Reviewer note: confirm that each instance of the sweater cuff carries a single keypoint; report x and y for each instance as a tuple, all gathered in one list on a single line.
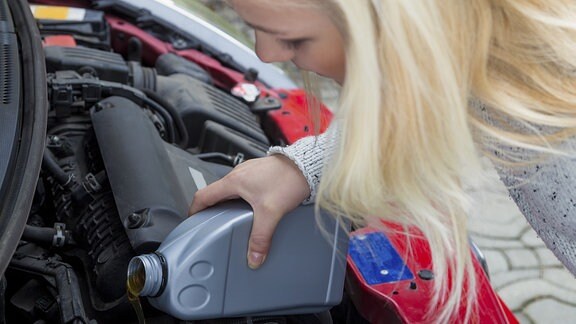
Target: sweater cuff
[(310, 164), (307, 154)]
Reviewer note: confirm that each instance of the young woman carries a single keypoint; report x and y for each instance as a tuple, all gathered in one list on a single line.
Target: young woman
[(427, 86)]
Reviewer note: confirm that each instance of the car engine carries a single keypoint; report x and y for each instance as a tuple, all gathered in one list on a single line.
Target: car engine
[(131, 137)]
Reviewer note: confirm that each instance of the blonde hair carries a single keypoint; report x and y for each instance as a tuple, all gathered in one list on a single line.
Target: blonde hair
[(407, 128), (408, 131)]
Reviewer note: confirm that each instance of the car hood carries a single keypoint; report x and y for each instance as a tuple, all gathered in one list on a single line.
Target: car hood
[(23, 111)]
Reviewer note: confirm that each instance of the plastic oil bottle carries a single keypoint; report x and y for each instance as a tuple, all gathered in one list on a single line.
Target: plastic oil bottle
[(200, 270)]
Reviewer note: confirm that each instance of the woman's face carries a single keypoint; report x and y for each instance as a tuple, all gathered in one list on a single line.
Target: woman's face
[(304, 36)]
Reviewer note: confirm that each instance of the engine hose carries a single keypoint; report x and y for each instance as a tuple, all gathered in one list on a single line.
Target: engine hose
[(232, 160), (47, 236), (135, 95), (63, 178), (216, 155), (169, 121), (182, 131)]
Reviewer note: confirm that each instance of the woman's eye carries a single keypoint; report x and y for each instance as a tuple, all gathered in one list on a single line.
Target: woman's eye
[(293, 43)]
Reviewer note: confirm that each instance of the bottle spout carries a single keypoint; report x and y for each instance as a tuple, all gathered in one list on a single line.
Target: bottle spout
[(146, 275)]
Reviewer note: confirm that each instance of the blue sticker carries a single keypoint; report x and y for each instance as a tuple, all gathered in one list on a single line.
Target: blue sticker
[(377, 259)]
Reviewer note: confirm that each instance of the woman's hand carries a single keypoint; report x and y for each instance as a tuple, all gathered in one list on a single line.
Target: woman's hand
[(273, 186)]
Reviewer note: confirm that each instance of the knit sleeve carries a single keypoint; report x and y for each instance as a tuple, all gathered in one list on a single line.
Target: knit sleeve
[(542, 186), (545, 194), (309, 155)]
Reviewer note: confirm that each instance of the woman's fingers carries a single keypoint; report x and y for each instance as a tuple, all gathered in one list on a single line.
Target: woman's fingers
[(214, 193), (272, 185)]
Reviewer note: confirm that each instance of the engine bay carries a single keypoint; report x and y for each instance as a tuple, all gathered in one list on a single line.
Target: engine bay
[(140, 117)]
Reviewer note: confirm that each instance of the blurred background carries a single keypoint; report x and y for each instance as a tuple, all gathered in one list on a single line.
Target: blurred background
[(527, 276)]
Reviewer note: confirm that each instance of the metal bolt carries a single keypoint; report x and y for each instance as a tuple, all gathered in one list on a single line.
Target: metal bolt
[(134, 220), (138, 218), (134, 217), (53, 139)]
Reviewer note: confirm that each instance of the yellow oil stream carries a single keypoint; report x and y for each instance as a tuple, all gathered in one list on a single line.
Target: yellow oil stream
[(133, 288)]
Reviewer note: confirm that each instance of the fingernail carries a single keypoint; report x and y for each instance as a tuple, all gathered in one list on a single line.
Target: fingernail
[(255, 260)]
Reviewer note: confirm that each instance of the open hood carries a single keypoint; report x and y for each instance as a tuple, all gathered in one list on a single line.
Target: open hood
[(23, 109)]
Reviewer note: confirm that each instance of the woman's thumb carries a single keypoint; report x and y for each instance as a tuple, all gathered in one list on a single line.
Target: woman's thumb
[(263, 229)]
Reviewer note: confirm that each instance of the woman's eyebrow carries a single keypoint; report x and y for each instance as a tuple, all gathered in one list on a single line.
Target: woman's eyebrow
[(265, 29)]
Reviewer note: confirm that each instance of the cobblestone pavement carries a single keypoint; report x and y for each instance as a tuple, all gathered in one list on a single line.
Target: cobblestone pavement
[(528, 277)]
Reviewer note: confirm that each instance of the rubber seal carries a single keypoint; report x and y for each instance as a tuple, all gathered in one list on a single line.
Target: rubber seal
[(165, 274)]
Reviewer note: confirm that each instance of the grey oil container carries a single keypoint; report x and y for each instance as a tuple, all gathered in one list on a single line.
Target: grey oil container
[(200, 270)]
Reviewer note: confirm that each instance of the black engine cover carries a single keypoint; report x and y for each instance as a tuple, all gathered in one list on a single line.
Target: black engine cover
[(153, 182), (108, 66), (198, 102)]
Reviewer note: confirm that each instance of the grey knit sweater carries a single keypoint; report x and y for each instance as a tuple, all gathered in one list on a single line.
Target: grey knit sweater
[(545, 193)]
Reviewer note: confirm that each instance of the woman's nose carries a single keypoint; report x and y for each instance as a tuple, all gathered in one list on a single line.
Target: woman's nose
[(270, 50)]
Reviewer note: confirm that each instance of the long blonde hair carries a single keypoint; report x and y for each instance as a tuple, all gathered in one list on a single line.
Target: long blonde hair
[(407, 129), (430, 84)]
